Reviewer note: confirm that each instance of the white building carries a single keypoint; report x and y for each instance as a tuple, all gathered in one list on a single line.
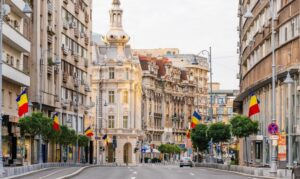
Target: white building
[(117, 90)]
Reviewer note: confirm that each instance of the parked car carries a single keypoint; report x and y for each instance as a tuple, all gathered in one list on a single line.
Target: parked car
[(186, 161), (296, 171)]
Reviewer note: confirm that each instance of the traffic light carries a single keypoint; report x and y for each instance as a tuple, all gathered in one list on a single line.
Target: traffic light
[(114, 142)]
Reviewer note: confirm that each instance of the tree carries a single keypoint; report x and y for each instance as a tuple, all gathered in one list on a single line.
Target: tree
[(243, 127), (219, 132), (199, 137), (31, 125), (83, 141)]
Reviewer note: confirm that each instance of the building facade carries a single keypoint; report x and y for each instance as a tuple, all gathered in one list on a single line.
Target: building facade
[(16, 49), (170, 96), (60, 62), (255, 47), (222, 103), (117, 88)]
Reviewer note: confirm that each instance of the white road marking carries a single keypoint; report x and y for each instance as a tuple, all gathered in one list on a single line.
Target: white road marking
[(132, 177), (50, 174), (192, 174), (135, 173)]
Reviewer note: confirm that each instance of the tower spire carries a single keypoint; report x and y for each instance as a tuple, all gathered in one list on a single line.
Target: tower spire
[(116, 34), (116, 2)]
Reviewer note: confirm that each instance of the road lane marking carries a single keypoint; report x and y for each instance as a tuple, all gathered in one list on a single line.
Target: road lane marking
[(192, 174), (132, 177), (53, 173), (135, 173)]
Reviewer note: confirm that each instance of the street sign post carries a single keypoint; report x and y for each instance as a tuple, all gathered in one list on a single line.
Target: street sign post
[(273, 129)]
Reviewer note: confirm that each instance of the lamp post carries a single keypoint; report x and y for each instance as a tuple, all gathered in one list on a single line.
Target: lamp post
[(5, 10), (289, 81)]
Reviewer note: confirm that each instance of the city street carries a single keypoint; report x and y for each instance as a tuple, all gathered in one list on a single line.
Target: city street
[(155, 172)]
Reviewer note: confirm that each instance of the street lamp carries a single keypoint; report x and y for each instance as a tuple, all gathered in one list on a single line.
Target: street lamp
[(5, 10), (289, 81)]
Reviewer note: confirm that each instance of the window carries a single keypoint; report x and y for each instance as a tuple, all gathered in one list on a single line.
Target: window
[(111, 73), (111, 97), (220, 110), (229, 111), (221, 100), (125, 97), (125, 122), (111, 122), (220, 118)]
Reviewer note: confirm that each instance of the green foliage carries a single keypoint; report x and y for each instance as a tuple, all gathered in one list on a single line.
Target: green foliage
[(169, 149), (31, 125), (219, 132), (199, 137), (243, 126), (83, 141), (47, 132), (67, 136)]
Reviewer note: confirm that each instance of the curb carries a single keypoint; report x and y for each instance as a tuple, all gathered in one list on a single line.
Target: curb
[(29, 173), (77, 172), (243, 174)]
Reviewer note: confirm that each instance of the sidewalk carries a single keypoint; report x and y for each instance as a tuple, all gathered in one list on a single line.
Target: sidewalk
[(13, 171), (258, 172)]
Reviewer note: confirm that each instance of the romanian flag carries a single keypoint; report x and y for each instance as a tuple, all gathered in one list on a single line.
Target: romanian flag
[(88, 132), (22, 100), (188, 134), (55, 122), (254, 105), (195, 119), (105, 139)]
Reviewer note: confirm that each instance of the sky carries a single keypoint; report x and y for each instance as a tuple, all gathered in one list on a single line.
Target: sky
[(189, 25)]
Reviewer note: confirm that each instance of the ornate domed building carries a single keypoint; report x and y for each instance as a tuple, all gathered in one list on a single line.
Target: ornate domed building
[(117, 78)]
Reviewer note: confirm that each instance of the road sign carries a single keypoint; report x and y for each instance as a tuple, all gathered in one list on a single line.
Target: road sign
[(273, 128)]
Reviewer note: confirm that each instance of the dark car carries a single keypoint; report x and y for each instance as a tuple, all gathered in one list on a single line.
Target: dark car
[(186, 161)]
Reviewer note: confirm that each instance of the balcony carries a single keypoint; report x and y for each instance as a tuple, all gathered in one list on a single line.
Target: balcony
[(86, 40), (86, 17), (50, 70), (66, 25), (15, 39), (76, 8), (50, 39), (50, 30), (19, 5), (76, 32), (76, 57), (86, 62), (65, 50), (15, 75), (50, 8), (65, 77)]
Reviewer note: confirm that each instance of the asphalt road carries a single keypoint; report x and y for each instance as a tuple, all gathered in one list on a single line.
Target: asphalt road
[(51, 173), (155, 172)]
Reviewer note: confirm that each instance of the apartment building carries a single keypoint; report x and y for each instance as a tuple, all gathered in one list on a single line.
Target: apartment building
[(170, 95), (255, 48), (60, 61), (16, 49)]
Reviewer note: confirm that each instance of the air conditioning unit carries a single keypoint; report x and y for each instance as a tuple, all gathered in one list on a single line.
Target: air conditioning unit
[(72, 25)]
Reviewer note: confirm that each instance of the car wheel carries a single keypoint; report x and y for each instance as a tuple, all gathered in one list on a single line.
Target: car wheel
[(181, 166)]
